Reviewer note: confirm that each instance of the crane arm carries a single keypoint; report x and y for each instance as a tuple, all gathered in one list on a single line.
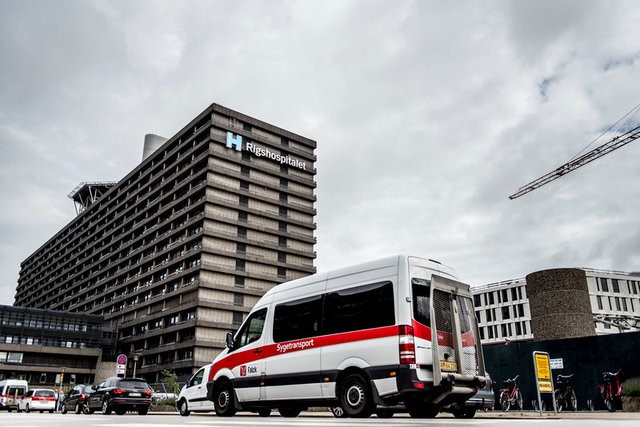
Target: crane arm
[(588, 157)]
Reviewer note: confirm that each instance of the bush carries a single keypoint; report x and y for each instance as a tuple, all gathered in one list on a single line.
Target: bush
[(631, 387)]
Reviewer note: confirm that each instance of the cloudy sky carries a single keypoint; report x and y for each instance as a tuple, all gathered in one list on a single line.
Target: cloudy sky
[(427, 114)]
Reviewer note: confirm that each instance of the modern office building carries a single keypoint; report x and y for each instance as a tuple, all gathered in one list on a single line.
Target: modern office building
[(177, 252), (558, 303), (45, 347)]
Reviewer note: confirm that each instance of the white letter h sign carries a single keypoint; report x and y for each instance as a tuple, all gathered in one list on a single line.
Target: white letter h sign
[(234, 141)]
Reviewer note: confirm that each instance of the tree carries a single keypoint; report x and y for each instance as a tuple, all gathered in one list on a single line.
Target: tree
[(171, 380)]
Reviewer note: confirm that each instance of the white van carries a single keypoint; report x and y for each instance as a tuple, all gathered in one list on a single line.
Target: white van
[(11, 392), (193, 396), (360, 338)]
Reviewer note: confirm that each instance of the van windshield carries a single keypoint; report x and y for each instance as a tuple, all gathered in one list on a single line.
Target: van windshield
[(421, 290)]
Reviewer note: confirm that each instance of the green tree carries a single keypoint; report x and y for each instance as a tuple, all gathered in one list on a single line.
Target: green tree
[(171, 380)]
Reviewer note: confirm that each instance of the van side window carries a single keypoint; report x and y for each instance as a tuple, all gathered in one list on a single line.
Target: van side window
[(251, 330), (364, 307), (421, 289), (197, 378), (297, 319)]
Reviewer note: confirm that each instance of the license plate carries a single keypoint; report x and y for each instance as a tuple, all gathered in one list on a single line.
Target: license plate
[(135, 394), (448, 366)]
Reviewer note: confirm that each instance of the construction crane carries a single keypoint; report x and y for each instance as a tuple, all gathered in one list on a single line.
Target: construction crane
[(588, 157)]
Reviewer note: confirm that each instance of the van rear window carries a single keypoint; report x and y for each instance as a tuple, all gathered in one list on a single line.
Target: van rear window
[(421, 289)]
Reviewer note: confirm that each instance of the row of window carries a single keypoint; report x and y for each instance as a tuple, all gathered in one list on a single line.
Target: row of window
[(507, 330), (44, 341), (602, 284), (506, 311), (501, 296), (616, 303)]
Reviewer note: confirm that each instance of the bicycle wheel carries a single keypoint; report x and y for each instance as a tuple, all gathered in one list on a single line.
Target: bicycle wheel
[(505, 402), (519, 400), (573, 400), (608, 400), (559, 400)]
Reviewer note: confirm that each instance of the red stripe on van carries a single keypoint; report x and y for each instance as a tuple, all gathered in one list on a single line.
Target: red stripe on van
[(247, 356), (421, 331)]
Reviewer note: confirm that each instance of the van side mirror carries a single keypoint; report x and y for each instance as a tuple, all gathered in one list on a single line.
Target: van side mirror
[(230, 340)]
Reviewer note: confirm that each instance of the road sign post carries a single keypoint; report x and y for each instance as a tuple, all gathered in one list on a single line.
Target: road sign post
[(544, 379)]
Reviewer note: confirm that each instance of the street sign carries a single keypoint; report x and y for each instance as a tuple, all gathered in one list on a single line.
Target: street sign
[(556, 363), (121, 365), (544, 381)]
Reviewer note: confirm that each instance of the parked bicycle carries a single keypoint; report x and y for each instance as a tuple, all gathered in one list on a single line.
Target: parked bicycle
[(511, 395), (611, 389), (565, 395)]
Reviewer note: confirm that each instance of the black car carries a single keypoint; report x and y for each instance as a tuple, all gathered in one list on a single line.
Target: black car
[(76, 400), (121, 395), (484, 400)]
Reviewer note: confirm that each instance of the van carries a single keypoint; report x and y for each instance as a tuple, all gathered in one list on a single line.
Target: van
[(401, 330), (11, 391), (193, 396)]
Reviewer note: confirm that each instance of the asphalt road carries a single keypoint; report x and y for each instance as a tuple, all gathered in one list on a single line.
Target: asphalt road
[(494, 418)]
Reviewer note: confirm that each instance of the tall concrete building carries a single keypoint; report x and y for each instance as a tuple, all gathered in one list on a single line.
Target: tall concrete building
[(177, 252)]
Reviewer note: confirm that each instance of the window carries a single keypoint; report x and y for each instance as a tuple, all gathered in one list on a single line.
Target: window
[(421, 289), (491, 298), (518, 329), (284, 197), (521, 310), (364, 307), (242, 232), (282, 226), (244, 200), (237, 318), (505, 312), (488, 315), (239, 282), (244, 170), (615, 285), (251, 330), (282, 272), (604, 285), (504, 330), (297, 319), (599, 300), (241, 248), (477, 301), (505, 296), (514, 294), (243, 216), (284, 182), (624, 304), (282, 211), (244, 185), (240, 264), (282, 257), (482, 333), (282, 241)]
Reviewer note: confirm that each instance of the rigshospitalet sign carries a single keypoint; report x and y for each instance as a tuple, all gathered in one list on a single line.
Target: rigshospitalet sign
[(235, 141)]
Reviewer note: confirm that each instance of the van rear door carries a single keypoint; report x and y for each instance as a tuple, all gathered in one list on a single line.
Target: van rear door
[(456, 348)]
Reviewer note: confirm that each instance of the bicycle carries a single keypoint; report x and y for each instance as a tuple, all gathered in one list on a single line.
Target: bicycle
[(511, 395), (611, 389), (565, 395)]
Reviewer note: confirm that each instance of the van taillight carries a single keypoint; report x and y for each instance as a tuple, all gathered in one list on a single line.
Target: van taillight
[(406, 345)]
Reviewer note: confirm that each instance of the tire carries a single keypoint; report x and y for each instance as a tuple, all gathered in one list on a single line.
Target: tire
[(143, 411), (289, 412), (557, 396), (520, 400), (264, 412), (78, 408), (105, 407), (63, 408), (120, 411), (423, 409), (183, 407), (505, 403), (464, 412), (224, 400), (608, 401), (355, 396), (384, 413), (27, 409), (87, 410), (573, 401)]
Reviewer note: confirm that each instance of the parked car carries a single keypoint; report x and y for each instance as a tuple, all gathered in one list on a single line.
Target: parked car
[(76, 399), (11, 391), (193, 396), (484, 399), (38, 399), (121, 395)]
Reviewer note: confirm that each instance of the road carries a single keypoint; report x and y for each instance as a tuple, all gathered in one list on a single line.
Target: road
[(587, 419)]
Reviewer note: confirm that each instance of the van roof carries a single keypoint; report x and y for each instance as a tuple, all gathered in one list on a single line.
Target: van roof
[(390, 261)]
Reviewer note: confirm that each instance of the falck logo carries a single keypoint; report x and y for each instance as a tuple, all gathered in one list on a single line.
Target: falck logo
[(243, 371)]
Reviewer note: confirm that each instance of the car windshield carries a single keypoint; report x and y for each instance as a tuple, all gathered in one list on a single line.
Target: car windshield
[(134, 384), (44, 393)]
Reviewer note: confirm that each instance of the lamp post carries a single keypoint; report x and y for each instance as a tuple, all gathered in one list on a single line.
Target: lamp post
[(136, 356)]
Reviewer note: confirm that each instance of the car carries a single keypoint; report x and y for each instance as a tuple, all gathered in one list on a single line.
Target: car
[(76, 399), (38, 399), (484, 399), (11, 391), (121, 395), (193, 396)]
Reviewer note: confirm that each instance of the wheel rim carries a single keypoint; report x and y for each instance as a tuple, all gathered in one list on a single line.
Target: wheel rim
[(183, 406), (223, 399), (354, 395)]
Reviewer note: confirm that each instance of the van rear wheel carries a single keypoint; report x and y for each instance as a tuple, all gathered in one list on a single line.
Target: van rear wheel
[(224, 401), (355, 396)]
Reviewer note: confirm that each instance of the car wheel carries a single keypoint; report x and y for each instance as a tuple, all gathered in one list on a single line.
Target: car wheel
[(183, 408), (384, 413), (120, 411), (105, 407), (223, 400), (63, 408), (264, 412), (289, 412), (464, 412), (27, 409), (78, 408), (355, 396), (143, 410)]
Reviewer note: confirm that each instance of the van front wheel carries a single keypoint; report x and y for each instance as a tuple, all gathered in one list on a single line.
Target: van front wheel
[(355, 396), (224, 401)]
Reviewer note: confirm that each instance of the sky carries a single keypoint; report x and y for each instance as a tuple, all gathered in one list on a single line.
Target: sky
[(427, 116)]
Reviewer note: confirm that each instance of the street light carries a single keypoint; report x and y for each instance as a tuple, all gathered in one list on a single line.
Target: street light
[(136, 356)]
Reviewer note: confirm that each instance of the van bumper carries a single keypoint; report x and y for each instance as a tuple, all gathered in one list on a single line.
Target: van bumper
[(453, 386)]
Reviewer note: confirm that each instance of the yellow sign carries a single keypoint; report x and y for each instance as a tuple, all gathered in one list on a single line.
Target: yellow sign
[(545, 386), (543, 368), (448, 366)]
